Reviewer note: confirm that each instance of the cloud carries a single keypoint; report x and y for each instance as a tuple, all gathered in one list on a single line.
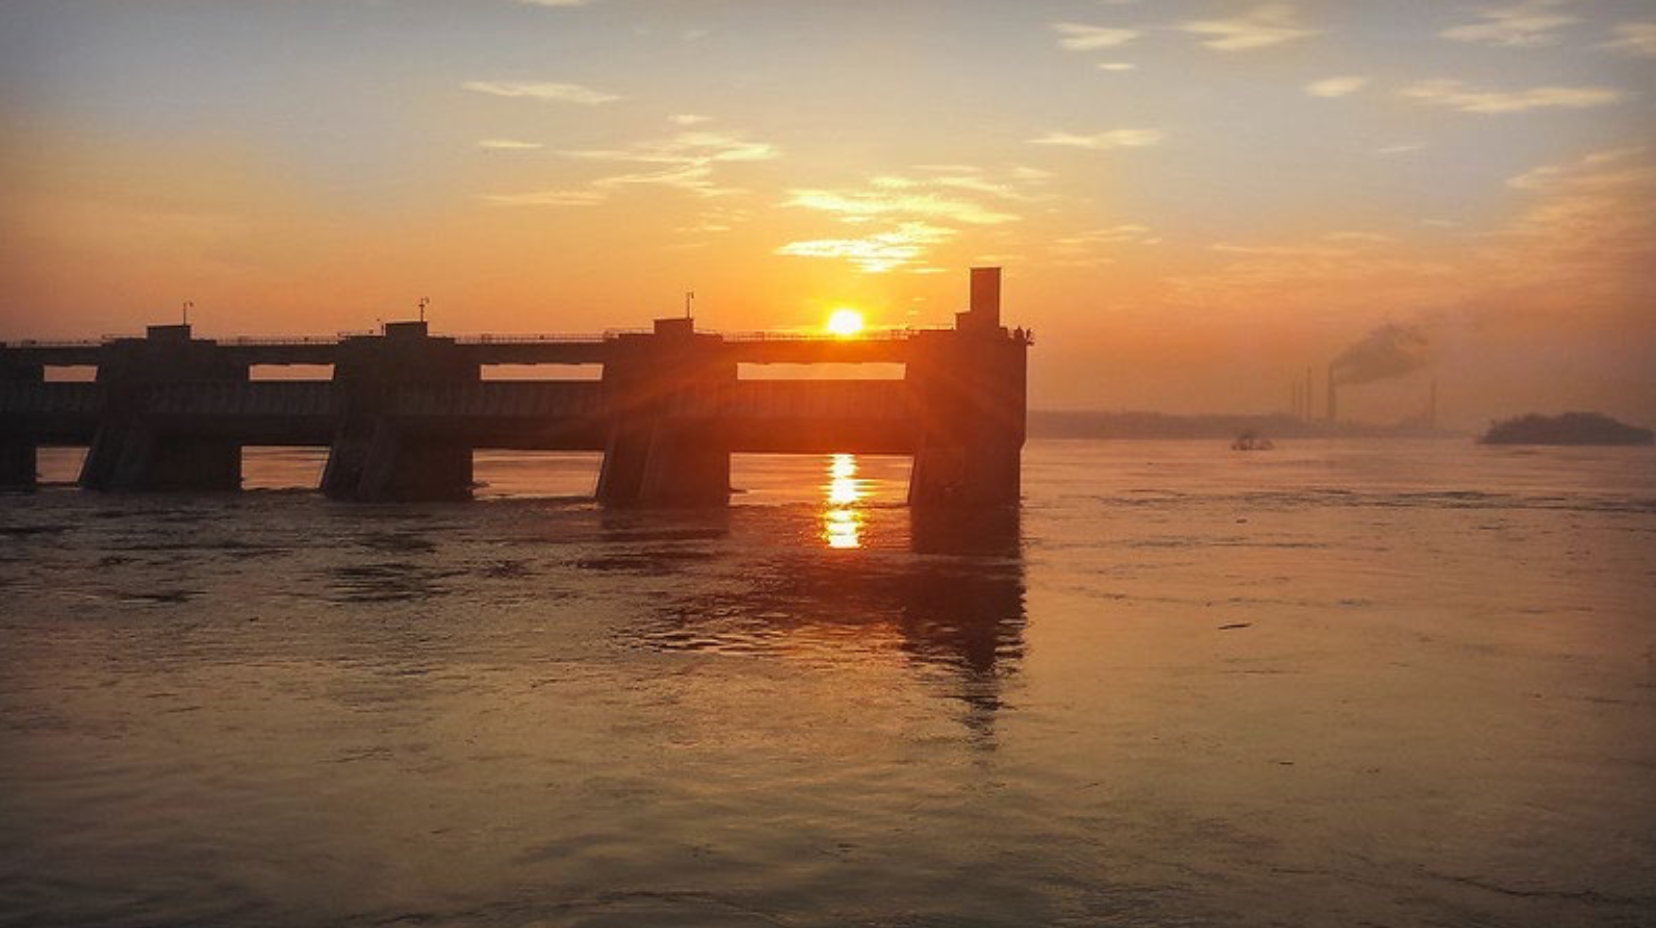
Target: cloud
[(1092, 248), (1116, 66), (719, 219), (1586, 231), (1336, 86), (542, 90), (1530, 24), (915, 211), (546, 198), (945, 193), (1011, 187), (1331, 246), (877, 253), (689, 119), (1261, 27), (1103, 141), (1369, 238), (1081, 38), (891, 200), (688, 160), (1592, 170), (1634, 39), (555, 3), (685, 148), (1364, 269), (1580, 240), (1460, 96), (1124, 233), (1401, 148), (507, 145)]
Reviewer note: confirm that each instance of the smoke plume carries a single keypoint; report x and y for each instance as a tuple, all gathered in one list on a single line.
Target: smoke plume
[(1389, 351)]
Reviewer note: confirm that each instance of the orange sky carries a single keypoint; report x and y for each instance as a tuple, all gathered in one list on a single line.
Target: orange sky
[(1193, 200)]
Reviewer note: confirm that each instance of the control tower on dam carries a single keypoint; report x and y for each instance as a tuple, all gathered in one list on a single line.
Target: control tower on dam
[(404, 409)]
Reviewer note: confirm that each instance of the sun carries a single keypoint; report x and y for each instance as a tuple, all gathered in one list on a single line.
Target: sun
[(845, 323)]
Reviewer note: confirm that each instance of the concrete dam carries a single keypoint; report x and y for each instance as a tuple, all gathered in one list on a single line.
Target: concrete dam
[(404, 409)]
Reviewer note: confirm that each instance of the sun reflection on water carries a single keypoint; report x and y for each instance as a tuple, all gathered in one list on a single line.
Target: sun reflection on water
[(841, 522)]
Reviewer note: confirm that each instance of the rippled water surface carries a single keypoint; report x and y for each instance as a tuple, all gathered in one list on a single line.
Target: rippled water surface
[(1331, 684)]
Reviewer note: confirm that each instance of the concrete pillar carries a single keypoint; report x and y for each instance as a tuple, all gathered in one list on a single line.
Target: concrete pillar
[(130, 450), (970, 386), (662, 451), (375, 455), (18, 450), (626, 456), (686, 467), (971, 393)]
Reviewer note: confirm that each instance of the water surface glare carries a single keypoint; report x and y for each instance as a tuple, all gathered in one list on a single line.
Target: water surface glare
[(1331, 684)]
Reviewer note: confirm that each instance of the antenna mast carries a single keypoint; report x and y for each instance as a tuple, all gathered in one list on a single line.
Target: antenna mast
[(688, 296)]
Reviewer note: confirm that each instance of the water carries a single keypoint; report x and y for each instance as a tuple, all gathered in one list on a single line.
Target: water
[(1331, 684)]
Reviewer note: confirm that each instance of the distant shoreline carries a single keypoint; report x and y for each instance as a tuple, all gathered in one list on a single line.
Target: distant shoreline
[(1130, 425)]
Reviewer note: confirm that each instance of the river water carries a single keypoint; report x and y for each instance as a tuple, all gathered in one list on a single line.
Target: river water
[(1390, 683)]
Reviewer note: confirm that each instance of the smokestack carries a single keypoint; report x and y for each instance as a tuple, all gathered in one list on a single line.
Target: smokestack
[(986, 287), (1308, 394), (1333, 403)]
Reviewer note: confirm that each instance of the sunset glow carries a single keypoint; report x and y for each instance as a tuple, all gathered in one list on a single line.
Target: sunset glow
[(938, 462), (845, 323), (1199, 199), (841, 521)]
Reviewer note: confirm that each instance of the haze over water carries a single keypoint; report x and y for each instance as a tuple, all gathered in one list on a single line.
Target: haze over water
[(1332, 684)]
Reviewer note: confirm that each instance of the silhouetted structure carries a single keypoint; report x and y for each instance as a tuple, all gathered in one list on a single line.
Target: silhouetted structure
[(405, 409)]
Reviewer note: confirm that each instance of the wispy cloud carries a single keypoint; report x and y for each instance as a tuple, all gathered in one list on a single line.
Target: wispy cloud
[(1082, 38), (1336, 86), (685, 148), (1364, 267), (887, 199), (1401, 148), (1460, 96), (877, 253), (1103, 141), (1018, 185), (542, 90), (1586, 229), (546, 198), (1261, 27), (1116, 66), (687, 161), (1093, 247), (914, 211), (507, 145), (689, 119), (1634, 39), (719, 219), (1531, 24), (1599, 169)]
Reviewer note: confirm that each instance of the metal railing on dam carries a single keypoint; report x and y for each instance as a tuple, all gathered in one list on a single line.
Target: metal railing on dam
[(402, 409)]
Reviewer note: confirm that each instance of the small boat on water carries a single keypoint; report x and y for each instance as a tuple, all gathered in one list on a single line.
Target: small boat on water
[(1251, 441)]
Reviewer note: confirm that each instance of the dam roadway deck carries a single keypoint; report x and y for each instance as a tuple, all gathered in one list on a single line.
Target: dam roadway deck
[(884, 347), (403, 410)]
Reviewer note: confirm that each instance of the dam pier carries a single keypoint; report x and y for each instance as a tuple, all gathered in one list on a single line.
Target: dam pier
[(403, 409)]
